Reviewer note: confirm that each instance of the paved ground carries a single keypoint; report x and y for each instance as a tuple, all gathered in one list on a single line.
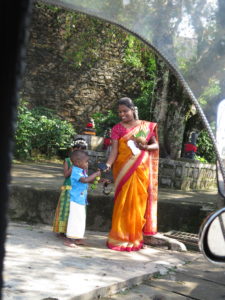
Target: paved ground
[(39, 266), (49, 175), (197, 280)]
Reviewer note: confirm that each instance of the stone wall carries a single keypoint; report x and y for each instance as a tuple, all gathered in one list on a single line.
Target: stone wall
[(183, 174), (76, 92), (186, 175)]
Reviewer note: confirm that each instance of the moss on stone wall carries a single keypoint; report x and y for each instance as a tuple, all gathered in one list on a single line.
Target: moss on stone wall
[(79, 65)]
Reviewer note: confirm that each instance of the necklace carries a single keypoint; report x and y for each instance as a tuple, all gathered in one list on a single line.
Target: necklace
[(130, 125)]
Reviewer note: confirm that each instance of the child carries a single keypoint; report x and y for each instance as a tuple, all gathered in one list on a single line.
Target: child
[(62, 210), (78, 198)]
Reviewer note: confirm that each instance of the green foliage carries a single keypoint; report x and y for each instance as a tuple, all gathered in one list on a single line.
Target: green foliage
[(138, 55), (105, 121), (40, 130), (133, 55), (84, 37), (205, 152), (201, 159), (143, 102), (212, 90), (24, 132)]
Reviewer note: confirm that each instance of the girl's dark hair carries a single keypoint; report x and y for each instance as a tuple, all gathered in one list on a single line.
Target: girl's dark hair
[(129, 103)]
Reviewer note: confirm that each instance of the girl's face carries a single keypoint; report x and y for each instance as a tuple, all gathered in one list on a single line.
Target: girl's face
[(125, 113)]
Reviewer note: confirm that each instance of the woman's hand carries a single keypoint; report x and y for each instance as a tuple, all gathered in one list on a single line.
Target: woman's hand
[(108, 167), (142, 146), (153, 145)]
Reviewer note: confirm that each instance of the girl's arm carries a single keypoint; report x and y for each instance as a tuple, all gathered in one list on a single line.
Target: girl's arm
[(113, 154), (90, 178), (66, 170)]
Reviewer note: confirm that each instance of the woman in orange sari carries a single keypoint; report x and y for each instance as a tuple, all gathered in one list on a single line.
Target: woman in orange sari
[(135, 172)]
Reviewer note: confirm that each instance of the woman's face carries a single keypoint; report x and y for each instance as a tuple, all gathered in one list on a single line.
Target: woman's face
[(125, 113)]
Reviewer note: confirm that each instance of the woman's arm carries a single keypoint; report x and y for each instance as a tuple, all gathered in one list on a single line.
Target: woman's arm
[(153, 145), (113, 154), (66, 170)]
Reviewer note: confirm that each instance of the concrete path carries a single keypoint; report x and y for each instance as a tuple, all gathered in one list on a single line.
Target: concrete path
[(39, 266), (198, 279)]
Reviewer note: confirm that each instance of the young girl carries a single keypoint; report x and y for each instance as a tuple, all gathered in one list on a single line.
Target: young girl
[(62, 210), (78, 198)]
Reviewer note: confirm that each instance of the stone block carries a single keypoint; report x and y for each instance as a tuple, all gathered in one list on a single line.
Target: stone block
[(195, 173), (186, 184), (166, 182), (177, 183), (179, 171), (95, 143)]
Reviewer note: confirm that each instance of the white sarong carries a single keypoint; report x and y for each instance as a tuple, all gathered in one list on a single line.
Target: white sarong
[(77, 221)]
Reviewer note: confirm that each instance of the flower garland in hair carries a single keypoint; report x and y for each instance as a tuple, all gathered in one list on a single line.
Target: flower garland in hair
[(79, 142)]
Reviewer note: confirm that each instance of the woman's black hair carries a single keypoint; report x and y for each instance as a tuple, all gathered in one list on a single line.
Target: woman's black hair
[(129, 103)]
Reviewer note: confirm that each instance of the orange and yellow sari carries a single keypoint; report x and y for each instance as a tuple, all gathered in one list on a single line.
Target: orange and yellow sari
[(136, 193)]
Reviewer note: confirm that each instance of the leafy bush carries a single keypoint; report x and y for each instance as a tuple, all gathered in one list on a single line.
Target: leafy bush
[(105, 121), (40, 130), (205, 147)]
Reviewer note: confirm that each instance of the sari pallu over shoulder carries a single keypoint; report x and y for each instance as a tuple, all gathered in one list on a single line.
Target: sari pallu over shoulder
[(126, 162), (131, 173)]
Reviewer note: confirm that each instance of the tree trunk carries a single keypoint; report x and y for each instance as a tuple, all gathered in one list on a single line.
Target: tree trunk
[(170, 108)]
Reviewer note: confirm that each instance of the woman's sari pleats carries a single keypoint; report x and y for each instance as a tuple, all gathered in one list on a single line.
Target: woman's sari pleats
[(135, 207)]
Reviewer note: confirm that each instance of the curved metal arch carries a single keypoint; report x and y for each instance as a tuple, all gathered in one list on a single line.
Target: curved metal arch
[(158, 52)]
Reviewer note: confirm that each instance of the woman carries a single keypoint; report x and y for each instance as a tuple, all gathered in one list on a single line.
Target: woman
[(135, 172)]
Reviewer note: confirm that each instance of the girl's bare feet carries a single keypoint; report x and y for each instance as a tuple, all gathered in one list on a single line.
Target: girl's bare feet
[(61, 235)]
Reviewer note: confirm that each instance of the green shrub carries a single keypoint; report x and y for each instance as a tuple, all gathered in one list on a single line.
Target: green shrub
[(40, 130), (205, 147), (105, 121)]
